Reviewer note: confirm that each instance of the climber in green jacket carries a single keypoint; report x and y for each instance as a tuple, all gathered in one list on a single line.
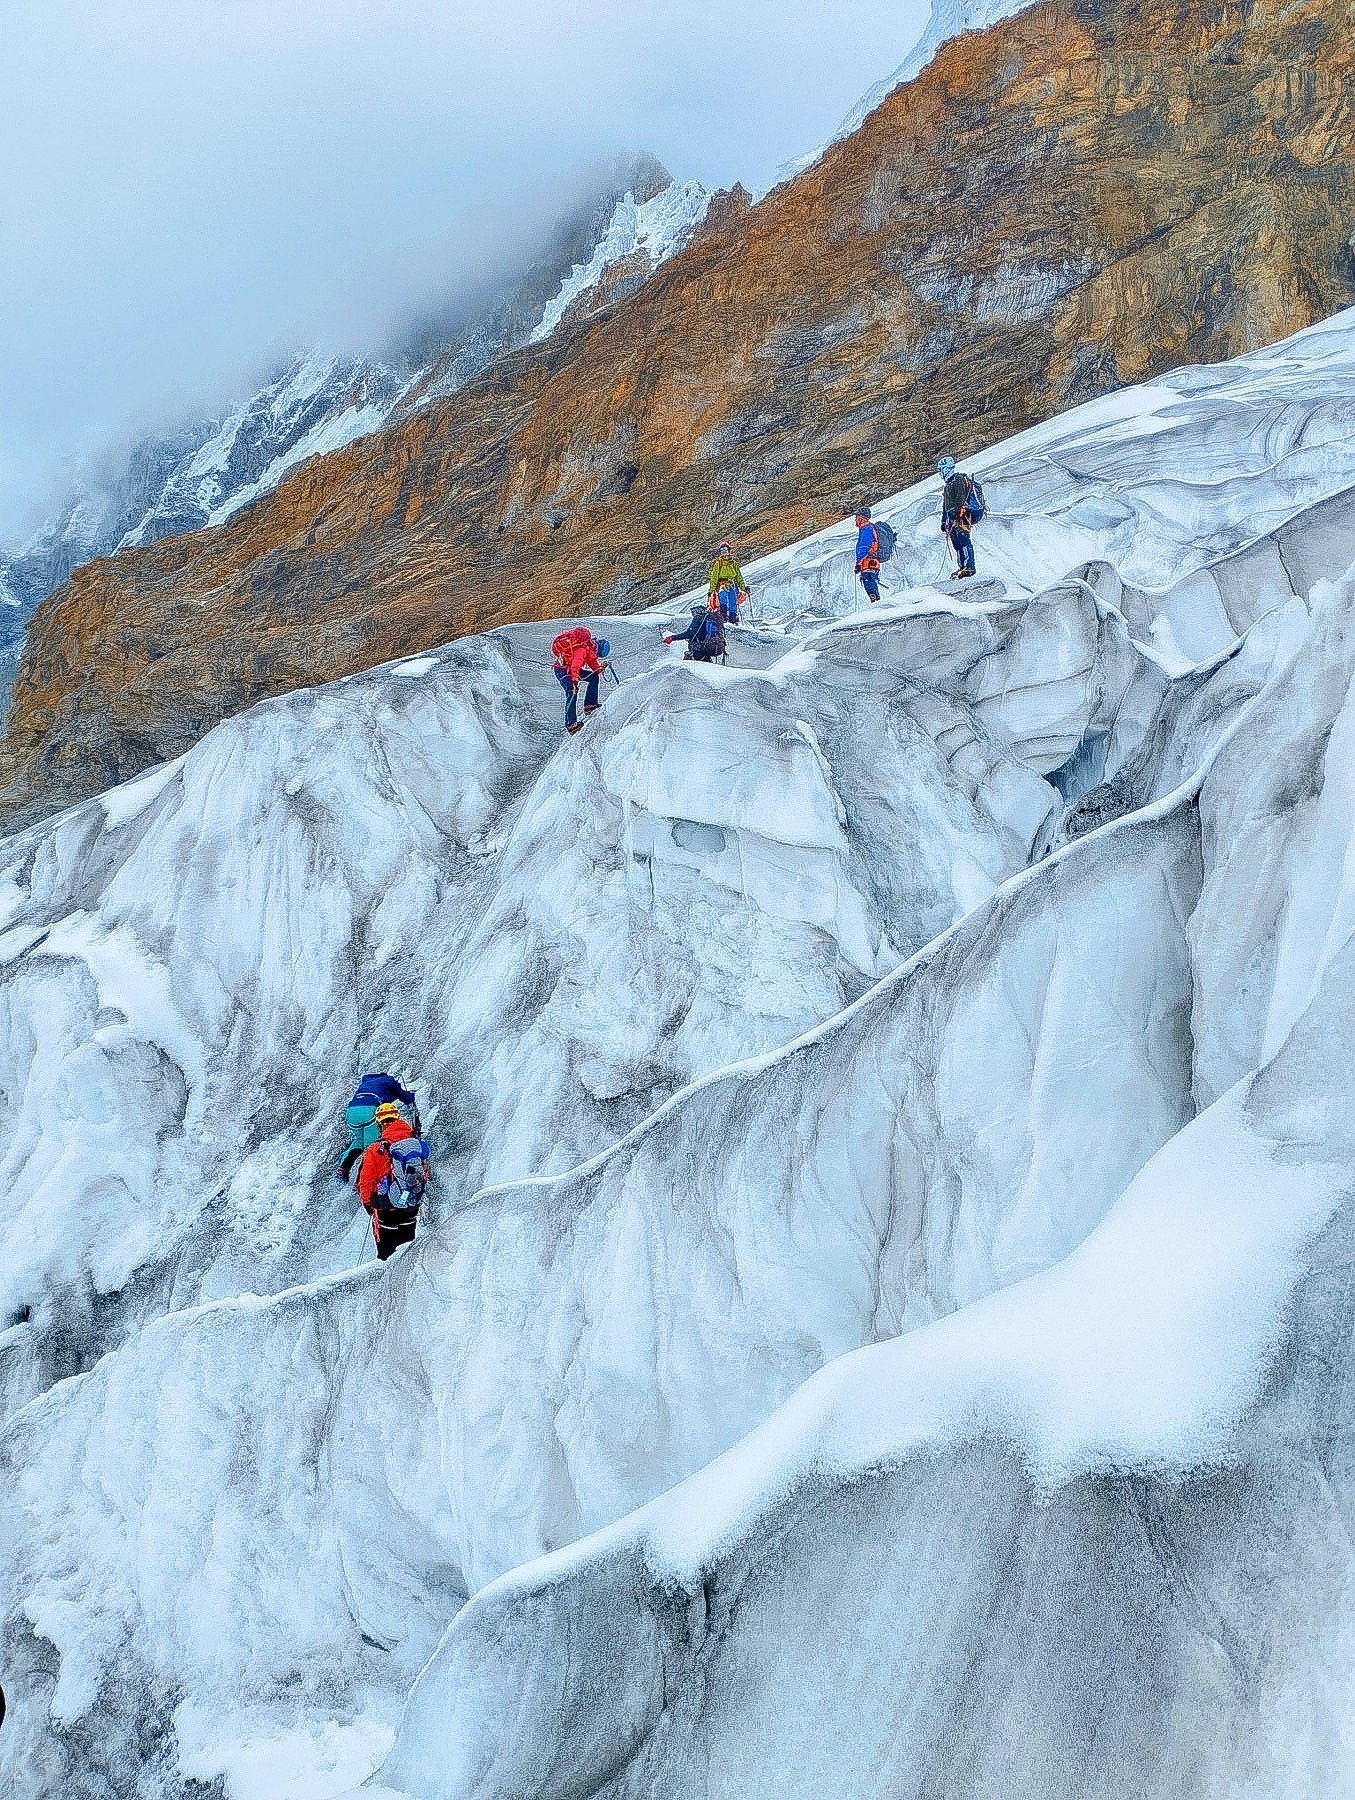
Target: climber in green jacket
[(726, 583)]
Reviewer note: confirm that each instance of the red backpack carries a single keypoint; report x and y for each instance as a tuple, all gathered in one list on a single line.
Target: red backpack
[(578, 638)]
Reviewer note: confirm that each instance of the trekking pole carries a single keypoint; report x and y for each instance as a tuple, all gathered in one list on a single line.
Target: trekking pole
[(612, 672)]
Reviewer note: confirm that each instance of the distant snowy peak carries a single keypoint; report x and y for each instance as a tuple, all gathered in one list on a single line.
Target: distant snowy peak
[(948, 19), (203, 473), (653, 230), (320, 403), (317, 403)]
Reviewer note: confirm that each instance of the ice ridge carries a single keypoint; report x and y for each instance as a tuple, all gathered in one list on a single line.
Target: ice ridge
[(888, 1102)]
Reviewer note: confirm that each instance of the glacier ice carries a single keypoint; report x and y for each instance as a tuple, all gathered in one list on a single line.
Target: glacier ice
[(885, 1281)]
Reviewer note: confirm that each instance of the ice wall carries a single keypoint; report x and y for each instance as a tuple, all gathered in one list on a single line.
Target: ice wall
[(807, 1096), (1089, 1524), (1152, 487), (408, 868)]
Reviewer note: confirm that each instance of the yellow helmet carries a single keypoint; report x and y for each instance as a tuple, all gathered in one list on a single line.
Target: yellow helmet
[(387, 1111)]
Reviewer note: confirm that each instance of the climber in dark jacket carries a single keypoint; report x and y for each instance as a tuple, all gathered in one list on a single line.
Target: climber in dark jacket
[(705, 636), (373, 1089), (360, 1114), (956, 518)]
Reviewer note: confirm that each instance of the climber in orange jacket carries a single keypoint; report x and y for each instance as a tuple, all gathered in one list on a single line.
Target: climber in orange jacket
[(392, 1180), (579, 658)]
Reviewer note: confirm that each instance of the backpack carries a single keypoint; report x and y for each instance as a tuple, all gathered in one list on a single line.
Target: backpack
[(978, 506), (407, 1182), (710, 640), (885, 539), (578, 637)]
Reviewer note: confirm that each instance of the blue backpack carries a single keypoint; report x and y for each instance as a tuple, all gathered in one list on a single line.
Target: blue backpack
[(978, 506), (885, 539), (407, 1182)]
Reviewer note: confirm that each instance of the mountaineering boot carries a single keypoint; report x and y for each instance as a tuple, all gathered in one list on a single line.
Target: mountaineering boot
[(963, 574), (576, 726)]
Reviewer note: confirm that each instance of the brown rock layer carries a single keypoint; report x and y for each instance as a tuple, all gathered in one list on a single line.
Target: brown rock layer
[(1080, 197)]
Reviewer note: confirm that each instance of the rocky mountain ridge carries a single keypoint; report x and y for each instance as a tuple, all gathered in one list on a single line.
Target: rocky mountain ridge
[(948, 19), (1075, 197), (200, 473)]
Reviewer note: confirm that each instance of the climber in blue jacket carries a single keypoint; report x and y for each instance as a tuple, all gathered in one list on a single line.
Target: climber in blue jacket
[(868, 554), (360, 1115)]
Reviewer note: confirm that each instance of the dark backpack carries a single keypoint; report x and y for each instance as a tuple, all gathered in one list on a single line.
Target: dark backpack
[(709, 642), (407, 1182), (978, 506), (885, 539)]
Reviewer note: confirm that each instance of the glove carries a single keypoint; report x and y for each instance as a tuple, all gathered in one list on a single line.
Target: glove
[(667, 639)]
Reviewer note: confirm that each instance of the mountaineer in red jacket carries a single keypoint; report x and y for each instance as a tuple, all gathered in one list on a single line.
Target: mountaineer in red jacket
[(392, 1180), (579, 657)]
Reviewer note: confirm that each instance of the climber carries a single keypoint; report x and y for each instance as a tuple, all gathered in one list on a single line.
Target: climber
[(726, 583), (868, 554), (360, 1115), (579, 657), (392, 1180), (962, 505), (705, 636)]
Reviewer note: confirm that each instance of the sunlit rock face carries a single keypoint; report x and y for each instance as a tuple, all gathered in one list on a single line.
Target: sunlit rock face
[(1048, 211), (629, 218)]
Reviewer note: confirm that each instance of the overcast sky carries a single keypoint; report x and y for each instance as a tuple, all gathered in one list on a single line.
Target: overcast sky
[(189, 186)]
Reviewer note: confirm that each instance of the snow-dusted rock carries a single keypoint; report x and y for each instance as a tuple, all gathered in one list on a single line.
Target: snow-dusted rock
[(652, 230), (948, 18), (319, 402)]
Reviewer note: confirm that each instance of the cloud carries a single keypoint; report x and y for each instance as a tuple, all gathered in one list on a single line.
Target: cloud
[(192, 186)]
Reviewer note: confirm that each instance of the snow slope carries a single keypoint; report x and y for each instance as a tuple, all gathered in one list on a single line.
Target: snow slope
[(653, 229), (950, 1232)]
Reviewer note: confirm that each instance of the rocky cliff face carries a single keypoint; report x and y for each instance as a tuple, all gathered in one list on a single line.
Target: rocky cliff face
[(201, 472), (1078, 197)]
